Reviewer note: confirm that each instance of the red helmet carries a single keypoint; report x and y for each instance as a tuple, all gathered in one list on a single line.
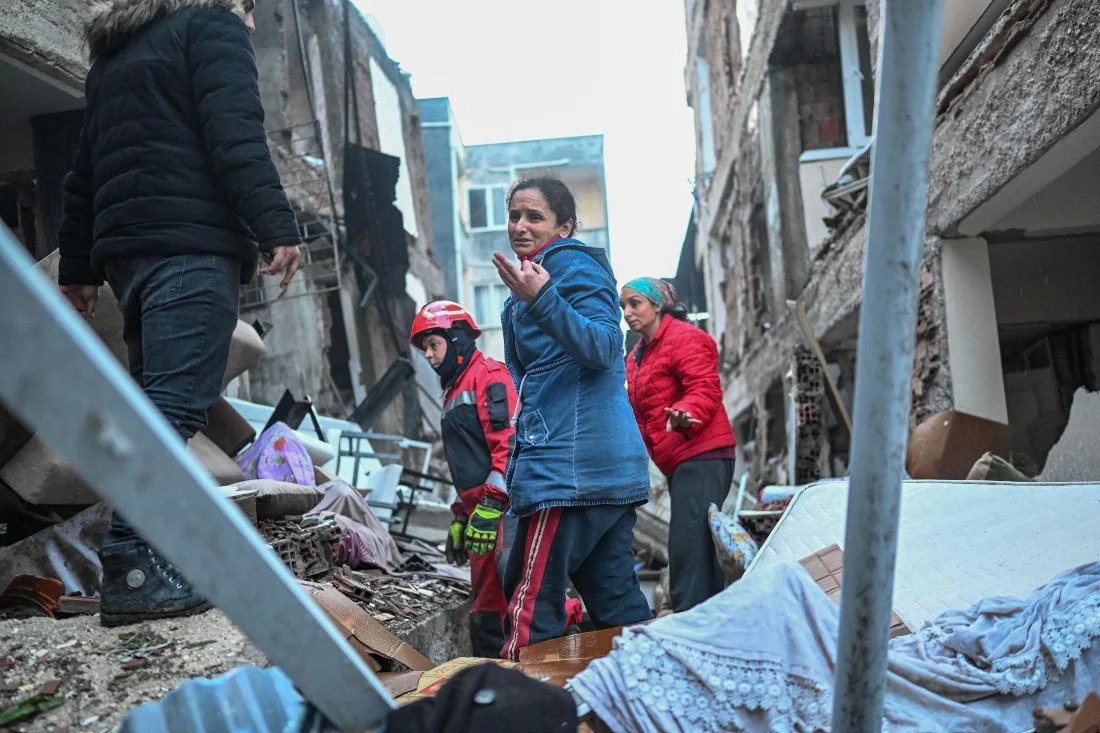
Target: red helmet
[(440, 314)]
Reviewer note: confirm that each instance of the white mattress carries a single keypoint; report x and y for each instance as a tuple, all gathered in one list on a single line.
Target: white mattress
[(959, 541)]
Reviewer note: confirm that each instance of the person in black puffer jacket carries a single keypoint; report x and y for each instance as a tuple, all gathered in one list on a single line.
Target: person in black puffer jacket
[(172, 199)]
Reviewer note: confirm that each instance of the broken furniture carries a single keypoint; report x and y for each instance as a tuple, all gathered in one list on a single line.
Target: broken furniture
[(380, 491), (358, 448), (40, 475), (556, 661), (227, 429), (946, 445), (958, 541), (291, 412), (278, 499)]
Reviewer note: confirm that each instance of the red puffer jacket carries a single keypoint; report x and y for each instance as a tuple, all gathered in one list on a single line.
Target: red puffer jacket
[(678, 368)]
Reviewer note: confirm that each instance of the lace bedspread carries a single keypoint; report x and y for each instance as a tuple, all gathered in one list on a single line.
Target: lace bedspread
[(760, 656)]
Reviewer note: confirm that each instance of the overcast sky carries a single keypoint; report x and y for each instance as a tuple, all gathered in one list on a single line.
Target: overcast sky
[(518, 71)]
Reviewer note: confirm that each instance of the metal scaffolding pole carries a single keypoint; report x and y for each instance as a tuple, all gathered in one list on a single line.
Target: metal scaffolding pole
[(60, 379), (908, 51)]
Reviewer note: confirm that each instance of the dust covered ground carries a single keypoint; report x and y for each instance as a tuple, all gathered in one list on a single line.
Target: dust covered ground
[(105, 672)]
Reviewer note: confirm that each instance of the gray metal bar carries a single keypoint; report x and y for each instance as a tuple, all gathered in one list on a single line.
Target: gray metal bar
[(908, 49), (61, 380)]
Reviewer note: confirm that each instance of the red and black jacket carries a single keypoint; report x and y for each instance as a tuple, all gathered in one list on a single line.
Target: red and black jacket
[(477, 432)]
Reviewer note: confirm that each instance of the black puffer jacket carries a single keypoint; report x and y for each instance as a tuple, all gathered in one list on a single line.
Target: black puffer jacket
[(173, 158)]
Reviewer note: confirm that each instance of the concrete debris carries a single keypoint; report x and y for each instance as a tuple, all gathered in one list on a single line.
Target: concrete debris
[(95, 683), (927, 357), (1074, 457), (846, 197), (307, 545), (400, 603)]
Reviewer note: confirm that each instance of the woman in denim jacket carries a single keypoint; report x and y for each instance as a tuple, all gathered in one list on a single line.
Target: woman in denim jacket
[(579, 467)]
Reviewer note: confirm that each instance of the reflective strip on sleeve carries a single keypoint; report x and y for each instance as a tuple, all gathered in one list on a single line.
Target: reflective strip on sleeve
[(469, 397)]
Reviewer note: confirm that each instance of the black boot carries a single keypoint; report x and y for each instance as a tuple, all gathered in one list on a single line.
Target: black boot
[(139, 584)]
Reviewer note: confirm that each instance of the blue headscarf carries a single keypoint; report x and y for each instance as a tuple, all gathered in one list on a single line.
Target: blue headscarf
[(658, 292)]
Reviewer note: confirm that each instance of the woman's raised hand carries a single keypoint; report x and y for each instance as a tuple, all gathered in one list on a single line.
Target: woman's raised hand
[(525, 281)]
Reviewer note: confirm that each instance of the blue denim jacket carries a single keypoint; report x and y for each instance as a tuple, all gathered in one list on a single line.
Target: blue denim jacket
[(577, 443)]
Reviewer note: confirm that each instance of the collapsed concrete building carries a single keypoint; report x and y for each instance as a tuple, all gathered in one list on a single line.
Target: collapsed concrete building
[(338, 333), (783, 94)]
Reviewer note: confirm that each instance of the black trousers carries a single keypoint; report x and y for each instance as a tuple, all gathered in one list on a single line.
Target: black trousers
[(178, 316), (593, 547), (694, 574)]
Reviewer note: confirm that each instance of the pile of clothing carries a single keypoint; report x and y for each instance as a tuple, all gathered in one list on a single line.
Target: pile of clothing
[(761, 656)]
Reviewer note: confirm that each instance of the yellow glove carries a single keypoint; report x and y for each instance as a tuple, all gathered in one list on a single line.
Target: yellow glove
[(481, 532), (454, 550)]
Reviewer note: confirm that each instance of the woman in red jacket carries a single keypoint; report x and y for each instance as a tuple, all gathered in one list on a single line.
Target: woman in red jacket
[(673, 385)]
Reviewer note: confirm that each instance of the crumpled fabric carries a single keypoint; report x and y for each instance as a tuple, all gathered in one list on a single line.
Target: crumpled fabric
[(761, 656), (279, 455), (1003, 645), (364, 540)]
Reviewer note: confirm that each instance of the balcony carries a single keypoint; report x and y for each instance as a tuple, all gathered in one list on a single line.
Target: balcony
[(965, 23)]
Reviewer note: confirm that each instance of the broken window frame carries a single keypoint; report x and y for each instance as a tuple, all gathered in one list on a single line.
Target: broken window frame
[(851, 76)]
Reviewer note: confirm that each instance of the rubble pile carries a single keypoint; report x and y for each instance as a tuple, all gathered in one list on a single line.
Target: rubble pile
[(307, 545), (400, 601)]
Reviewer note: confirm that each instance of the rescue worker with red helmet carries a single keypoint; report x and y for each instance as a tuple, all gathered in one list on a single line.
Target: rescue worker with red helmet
[(479, 401)]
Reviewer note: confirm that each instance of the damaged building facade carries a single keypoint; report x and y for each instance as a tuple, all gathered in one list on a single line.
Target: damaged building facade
[(357, 182), (783, 94)]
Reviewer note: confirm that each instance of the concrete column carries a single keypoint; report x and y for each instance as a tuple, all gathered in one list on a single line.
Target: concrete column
[(973, 348), (780, 147)]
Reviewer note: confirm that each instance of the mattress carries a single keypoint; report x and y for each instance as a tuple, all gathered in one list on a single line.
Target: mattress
[(958, 541)]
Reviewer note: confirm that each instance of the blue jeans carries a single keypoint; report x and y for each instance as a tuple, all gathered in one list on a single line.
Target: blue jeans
[(178, 316)]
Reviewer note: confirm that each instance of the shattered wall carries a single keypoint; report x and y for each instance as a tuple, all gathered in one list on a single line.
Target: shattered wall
[(931, 384), (1027, 83), (324, 341)]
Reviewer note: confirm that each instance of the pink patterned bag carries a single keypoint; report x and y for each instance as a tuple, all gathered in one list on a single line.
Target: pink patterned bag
[(279, 455)]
